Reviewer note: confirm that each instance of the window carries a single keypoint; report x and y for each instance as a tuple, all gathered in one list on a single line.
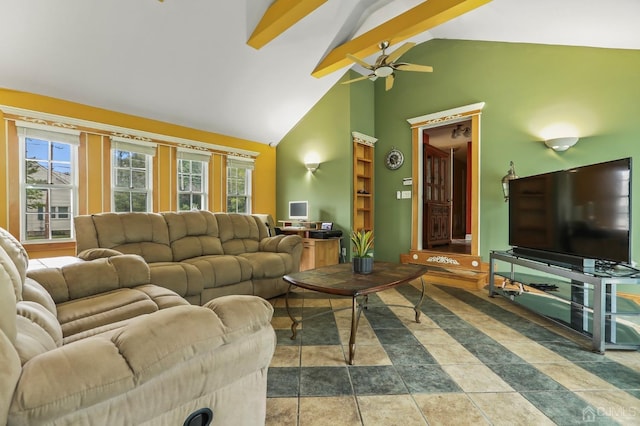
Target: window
[(48, 181), (131, 166), (239, 184), (193, 169)]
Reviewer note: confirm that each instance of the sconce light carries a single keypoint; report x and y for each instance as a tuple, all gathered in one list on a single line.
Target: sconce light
[(561, 144), (511, 174), (312, 167)]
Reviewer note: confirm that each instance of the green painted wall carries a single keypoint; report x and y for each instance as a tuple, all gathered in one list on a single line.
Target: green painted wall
[(525, 87), (325, 131)]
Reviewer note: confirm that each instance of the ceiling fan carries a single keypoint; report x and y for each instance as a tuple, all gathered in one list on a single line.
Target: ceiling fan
[(385, 65)]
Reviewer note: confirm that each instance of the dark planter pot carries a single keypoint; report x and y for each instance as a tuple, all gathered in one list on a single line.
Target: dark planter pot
[(362, 265)]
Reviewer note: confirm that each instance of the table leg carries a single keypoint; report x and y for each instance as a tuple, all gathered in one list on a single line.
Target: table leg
[(294, 322), (417, 307), (356, 310)]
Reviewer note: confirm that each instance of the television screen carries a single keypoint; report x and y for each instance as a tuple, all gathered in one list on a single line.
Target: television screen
[(299, 210), (583, 212)]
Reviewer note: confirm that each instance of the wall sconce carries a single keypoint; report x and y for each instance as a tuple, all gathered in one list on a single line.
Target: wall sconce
[(312, 161), (511, 174), (312, 167), (561, 144)]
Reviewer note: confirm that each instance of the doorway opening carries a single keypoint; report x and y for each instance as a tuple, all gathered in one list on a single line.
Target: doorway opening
[(446, 214), (433, 132)]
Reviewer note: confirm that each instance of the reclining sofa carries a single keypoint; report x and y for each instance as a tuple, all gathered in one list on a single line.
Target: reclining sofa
[(94, 343), (198, 254)]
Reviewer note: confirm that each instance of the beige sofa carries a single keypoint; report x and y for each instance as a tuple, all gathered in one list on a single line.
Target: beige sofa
[(198, 254), (94, 343)]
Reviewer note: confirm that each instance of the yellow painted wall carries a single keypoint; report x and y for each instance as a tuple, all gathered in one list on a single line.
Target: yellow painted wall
[(94, 163)]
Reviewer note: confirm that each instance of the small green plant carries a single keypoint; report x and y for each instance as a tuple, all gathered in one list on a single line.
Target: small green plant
[(362, 242)]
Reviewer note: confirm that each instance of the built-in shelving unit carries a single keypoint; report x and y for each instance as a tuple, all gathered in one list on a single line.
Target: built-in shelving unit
[(363, 181)]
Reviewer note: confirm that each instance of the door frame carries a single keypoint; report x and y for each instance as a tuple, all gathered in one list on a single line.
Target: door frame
[(437, 119)]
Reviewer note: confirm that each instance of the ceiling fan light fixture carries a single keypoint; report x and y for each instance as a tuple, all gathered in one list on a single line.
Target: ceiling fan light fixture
[(383, 71)]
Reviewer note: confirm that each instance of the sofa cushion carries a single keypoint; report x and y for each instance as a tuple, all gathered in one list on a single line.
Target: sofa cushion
[(222, 270), (144, 234), (269, 265), (81, 315), (193, 234), (183, 278), (239, 233)]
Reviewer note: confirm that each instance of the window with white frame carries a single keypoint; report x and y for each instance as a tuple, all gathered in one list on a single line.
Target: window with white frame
[(48, 181), (131, 165), (239, 184), (193, 172)]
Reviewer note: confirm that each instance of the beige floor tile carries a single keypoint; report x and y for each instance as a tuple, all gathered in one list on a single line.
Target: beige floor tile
[(532, 352), (509, 409), (368, 355), (629, 358), (282, 323), (317, 303), (286, 356), (334, 411), (619, 405), (326, 355), (433, 336), (390, 410), (342, 302), (476, 378), (573, 377), (451, 353), (282, 412), (453, 409), (498, 331)]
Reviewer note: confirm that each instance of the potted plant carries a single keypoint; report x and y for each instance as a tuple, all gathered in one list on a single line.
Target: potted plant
[(362, 258)]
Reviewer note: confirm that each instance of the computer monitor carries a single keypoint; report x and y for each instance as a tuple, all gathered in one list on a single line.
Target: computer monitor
[(298, 210)]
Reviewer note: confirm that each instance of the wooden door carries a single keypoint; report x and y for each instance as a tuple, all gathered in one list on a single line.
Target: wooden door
[(436, 223)]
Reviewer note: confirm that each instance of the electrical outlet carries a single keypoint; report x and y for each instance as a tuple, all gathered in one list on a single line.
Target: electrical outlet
[(344, 251)]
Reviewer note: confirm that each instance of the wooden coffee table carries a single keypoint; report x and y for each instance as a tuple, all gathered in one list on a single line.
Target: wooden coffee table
[(340, 280)]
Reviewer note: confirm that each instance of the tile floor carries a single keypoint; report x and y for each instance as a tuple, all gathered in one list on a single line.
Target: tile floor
[(472, 360)]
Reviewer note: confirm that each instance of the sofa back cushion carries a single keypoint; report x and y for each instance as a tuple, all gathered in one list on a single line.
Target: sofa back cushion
[(240, 233), (144, 234), (192, 234)]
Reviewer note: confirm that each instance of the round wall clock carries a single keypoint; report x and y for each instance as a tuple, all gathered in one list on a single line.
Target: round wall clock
[(394, 159)]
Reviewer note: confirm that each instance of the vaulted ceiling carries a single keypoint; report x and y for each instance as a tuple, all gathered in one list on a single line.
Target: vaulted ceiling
[(252, 69)]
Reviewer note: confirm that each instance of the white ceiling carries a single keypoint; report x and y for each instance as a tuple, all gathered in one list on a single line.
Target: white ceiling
[(187, 62)]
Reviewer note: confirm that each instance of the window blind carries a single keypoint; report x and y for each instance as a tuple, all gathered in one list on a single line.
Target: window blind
[(240, 162), (49, 133)]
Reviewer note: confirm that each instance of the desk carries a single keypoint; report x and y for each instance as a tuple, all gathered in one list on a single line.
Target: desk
[(318, 252), (591, 304)]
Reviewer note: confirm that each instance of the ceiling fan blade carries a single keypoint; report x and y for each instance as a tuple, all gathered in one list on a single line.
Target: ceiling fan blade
[(389, 82), (359, 61), (399, 52), (364, 77), (413, 67)]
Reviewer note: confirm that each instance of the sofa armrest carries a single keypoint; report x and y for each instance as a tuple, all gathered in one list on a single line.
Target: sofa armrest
[(84, 279), (97, 253), (154, 363), (281, 243)]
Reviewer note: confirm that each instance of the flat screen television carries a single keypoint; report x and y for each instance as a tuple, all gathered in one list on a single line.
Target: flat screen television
[(298, 210), (574, 217)]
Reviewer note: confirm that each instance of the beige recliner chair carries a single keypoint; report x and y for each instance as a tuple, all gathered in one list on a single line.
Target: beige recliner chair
[(95, 343)]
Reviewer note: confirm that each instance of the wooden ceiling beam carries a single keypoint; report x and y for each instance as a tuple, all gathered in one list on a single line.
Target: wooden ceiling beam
[(281, 15), (421, 18)]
